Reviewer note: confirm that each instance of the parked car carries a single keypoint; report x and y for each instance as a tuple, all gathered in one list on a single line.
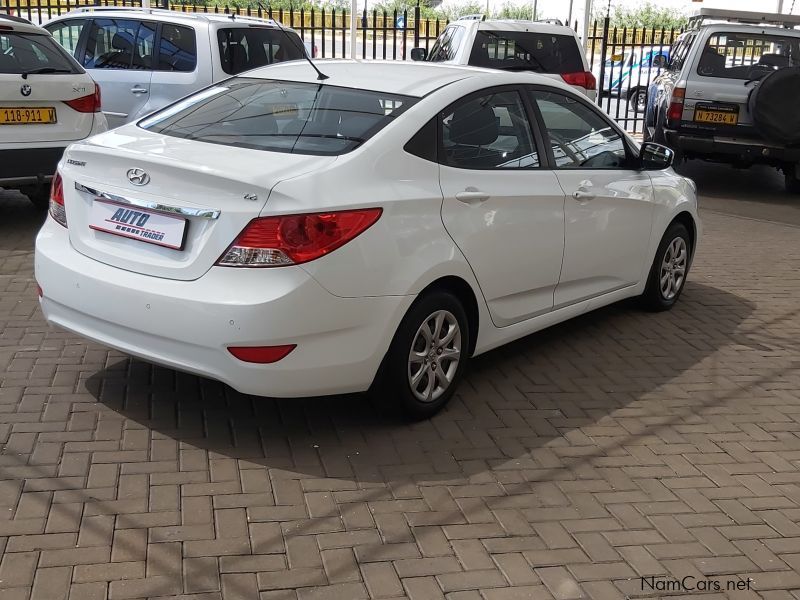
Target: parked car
[(730, 92), (295, 238), (46, 102), (144, 59), (628, 74), (539, 47)]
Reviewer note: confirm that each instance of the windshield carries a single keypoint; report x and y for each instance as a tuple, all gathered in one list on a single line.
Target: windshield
[(280, 116), (746, 55), (242, 49), (32, 52), (526, 51)]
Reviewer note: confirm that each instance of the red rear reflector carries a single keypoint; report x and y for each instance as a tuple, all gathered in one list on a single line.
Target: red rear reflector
[(261, 354), (86, 104), (295, 239), (583, 79), (57, 209), (39, 291)]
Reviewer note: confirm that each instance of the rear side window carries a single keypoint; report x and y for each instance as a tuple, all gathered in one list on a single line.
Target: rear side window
[(526, 51), (745, 55), (120, 44), (30, 52), (177, 49), (446, 47), (67, 33), (244, 48), (280, 116)]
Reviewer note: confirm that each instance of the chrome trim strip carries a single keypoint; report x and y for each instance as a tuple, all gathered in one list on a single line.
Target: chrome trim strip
[(200, 213)]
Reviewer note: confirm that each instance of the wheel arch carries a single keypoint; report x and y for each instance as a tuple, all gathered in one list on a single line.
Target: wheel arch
[(687, 220), (466, 295)]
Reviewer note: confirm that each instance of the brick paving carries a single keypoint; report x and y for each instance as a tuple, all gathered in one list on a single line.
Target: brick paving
[(571, 464)]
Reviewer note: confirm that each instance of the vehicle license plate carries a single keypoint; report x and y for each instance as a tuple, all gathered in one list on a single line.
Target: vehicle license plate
[(720, 115), (17, 115), (138, 223)]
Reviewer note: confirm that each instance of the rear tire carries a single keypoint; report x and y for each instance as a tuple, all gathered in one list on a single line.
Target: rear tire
[(669, 270), (427, 358)]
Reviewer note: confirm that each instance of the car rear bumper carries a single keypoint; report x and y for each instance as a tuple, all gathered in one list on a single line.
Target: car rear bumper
[(28, 166), (188, 325), (743, 149)]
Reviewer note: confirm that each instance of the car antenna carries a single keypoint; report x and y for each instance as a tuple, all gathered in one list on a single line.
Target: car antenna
[(320, 75)]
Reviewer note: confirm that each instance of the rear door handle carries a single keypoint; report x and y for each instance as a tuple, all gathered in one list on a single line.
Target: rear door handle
[(139, 90), (472, 196), (583, 195)]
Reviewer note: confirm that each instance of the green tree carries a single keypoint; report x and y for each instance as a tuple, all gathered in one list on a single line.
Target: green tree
[(647, 14)]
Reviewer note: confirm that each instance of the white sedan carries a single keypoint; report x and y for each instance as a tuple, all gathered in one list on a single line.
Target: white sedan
[(292, 236)]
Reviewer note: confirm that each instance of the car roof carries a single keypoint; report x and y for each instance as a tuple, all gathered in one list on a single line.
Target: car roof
[(393, 77), (745, 27), (172, 16), (522, 25), (20, 24)]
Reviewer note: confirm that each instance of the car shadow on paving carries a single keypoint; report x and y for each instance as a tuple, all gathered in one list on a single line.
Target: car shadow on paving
[(537, 391)]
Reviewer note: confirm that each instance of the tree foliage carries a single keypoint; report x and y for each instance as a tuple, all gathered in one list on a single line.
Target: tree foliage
[(647, 14)]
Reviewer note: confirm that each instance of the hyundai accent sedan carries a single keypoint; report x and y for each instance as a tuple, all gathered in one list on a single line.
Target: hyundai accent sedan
[(294, 236)]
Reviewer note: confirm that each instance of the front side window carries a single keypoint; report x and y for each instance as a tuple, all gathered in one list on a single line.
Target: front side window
[(490, 131), (67, 33), (745, 55), (579, 136), (280, 116), (526, 51), (32, 52), (242, 49), (120, 44), (177, 49)]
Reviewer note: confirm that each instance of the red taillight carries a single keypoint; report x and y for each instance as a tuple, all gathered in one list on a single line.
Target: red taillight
[(675, 110), (295, 239), (39, 291), (261, 354), (57, 210), (583, 79), (86, 104)]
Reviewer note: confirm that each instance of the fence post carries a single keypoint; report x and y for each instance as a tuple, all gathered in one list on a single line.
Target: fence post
[(416, 26), (603, 50)]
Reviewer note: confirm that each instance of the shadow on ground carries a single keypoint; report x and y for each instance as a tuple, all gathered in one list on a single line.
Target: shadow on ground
[(538, 391)]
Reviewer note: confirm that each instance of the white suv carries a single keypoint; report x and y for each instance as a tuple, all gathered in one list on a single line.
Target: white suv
[(144, 59), (542, 47), (47, 101)]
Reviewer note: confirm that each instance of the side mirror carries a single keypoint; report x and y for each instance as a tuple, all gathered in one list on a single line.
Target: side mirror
[(655, 157), (419, 54)]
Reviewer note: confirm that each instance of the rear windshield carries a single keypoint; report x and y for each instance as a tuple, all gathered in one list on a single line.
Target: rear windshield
[(32, 53), (241, 49), (526, 51), (746, 55), (280, 116)]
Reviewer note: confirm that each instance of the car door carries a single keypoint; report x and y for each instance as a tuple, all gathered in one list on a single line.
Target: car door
[(609, 202), (178, 70), (118, 54), (501, 207)]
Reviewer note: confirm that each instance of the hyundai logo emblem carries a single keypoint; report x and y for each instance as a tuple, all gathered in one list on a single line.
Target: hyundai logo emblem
[(25, 90), (138, 177)]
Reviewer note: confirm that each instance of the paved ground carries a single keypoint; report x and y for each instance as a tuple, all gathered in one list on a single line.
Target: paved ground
[(572, 464)]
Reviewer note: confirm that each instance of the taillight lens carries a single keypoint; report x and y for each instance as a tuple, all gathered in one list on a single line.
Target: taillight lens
[(295, 239), (86, 104), (675, 111), (57, 210), (584, 79)]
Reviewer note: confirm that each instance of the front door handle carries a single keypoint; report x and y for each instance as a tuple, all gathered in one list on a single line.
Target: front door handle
[(472, 196), (583, 195), (139, 90)]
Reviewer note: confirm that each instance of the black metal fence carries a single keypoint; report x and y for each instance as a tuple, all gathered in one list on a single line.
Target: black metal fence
[(624, 60)]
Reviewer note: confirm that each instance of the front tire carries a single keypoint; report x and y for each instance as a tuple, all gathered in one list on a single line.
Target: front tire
[(670, 267), (427, 357)]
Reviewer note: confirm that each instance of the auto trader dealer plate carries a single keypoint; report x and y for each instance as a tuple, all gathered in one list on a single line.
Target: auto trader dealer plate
[(138, 224)]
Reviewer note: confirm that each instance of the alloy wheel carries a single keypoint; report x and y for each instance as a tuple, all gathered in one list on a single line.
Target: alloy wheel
[(434, 356), (673, 268)]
